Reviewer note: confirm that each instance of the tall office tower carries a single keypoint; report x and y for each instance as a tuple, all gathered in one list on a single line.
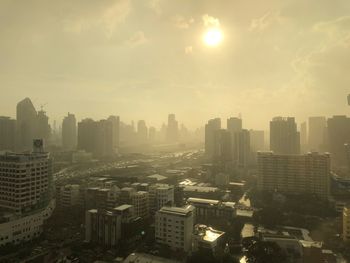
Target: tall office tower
[(222, 146), (234, 124), (152, 134), (317, 126), (338, 135), (7, 134), (87, 133), (28, 198), (284, 136), (142, 131), (127, 134), (96, 137), (115, 120), (174, 227), (69, 132), (294, 174), (257, 140), (303, 137), (241, 148), (172, 129), (104, 140), (43, 130), (26, 124), (210, 128)]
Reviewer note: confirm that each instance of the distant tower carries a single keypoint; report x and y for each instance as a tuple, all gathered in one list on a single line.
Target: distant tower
[(69, 132), (349, 99), (26, 124), (284, 136), (173, 129)]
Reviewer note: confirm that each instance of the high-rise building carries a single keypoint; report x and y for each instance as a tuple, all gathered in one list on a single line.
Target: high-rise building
[(142, 131), (210, 128), (241, 148), (234, 124), (69, 132), (174, 227), (96, 137), (294, 174), (43, 130), (338, 134), (115, 120), (26, 194), (257, 140), (152, 133), (26, 124), (222, 146), (7, 134), (317, 126), (172, 129), (303, 137), (284, 136)]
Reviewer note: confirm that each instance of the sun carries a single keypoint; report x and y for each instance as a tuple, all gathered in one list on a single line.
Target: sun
[(212, 37)]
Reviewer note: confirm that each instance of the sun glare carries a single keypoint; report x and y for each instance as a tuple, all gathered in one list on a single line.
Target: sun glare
[(213, 37)]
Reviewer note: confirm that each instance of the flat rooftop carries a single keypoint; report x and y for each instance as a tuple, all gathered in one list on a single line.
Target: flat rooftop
[(177, 210)]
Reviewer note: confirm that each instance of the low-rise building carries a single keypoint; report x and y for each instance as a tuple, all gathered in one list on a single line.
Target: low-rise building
[(174, 227)]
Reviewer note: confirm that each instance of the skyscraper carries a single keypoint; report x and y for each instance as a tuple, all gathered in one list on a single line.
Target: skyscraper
[(317, 126), (257, 140), (142, 131), (26, 124), (234, 124), (284, 137), (222, 145), (7, 133), (210, 128), (115, 120), (172, 129), (338, 135), (303, 137), (96, 137), (43, 129), (69, 132), (241, 148)]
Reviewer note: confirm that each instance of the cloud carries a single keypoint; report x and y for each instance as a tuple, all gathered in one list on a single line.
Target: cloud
[(262, 23), (137, 39), (107, 19), (188, 49), (155, 6), (210, 21), (336, 29), (181, 22)]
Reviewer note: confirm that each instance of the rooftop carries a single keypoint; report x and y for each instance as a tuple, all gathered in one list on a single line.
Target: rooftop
[(207, 234), (177, 210), (147, 258), (158, 177), (123, 207)]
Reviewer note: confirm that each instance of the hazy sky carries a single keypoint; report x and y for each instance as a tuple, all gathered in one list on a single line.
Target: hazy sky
[(143, 59)]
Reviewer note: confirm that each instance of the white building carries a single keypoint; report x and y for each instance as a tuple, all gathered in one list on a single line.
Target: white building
[(174, 227), (160, 195), (25, 194)]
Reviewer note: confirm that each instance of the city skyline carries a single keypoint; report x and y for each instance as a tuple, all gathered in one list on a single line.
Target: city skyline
[(137, 60)]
